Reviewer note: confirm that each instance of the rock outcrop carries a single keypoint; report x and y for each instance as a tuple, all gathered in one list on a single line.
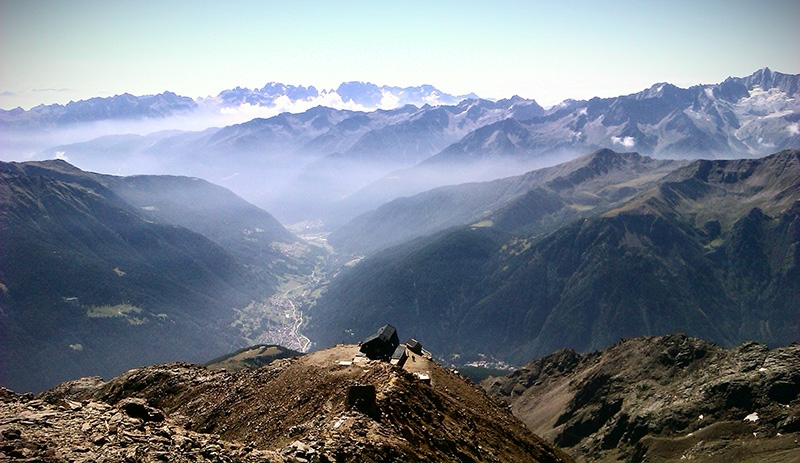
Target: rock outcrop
[(661, 399)]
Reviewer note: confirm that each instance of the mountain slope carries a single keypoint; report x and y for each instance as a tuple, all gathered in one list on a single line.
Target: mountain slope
[(303, 407), (541, 200), (90, 286), (711, 250), (250, 234), (659, 399)]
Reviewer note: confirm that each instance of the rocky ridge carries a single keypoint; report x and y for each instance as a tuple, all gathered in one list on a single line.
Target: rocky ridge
[(295, 409), (660, 399)]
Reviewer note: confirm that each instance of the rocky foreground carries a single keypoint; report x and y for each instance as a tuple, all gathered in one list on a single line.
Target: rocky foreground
[(293, 410), (93, 431), (660, 399)]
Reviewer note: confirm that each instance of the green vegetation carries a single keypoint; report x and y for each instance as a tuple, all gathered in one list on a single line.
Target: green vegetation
[(120, 310), (251, 357), (478, 374)]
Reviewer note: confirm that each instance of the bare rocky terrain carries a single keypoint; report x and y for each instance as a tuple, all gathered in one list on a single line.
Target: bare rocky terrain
[(297, 409), (34, 430), (663, 399)]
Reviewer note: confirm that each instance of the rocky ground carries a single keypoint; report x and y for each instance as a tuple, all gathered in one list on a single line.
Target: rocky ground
[(300, 409), (92, 431), (659, 399)]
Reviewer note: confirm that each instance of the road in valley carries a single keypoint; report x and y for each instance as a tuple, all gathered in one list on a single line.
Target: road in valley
[(297, 321)]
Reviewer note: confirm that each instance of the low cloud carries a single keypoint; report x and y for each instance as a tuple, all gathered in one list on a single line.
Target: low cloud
[(61, 155), (388, 100), (57, 90), (627, 142), (284, 104), (765, 143)]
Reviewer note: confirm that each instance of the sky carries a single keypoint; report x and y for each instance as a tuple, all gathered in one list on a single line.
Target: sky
[(55, 51)]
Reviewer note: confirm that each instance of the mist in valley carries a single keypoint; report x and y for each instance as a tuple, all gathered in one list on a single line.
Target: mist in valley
[(329, 164), (323, 165)]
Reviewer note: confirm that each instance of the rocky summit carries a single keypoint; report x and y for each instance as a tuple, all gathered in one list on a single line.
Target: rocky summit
[(328, 406), (663, 399)]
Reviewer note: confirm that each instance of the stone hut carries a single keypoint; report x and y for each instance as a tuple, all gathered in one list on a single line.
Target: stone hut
[(414, 346), (381, 344), (399, 356)]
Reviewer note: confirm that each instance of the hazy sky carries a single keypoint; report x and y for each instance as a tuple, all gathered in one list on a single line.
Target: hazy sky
[(56, 51)]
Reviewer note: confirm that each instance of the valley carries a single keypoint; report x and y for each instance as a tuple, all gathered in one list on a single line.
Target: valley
[(279, 319)]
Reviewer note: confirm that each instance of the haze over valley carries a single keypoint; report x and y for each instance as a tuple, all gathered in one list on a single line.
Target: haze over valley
[(330, 165)]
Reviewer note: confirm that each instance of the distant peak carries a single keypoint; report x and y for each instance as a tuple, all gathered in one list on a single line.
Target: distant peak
[(609, 156), (604, 152)]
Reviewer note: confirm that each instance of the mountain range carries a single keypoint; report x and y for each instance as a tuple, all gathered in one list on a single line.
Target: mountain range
[(357, 95), (545, 248), (709, 249), (336, 163), (118, 107), (748, 116), (297, 165), (365, 95)]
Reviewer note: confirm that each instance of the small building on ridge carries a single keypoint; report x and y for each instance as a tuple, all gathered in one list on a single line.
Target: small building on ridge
[(381, 344)]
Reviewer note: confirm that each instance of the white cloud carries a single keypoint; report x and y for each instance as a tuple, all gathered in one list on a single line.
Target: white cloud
[(627, 142), (389, 100), (61, 155), (793, 129), (248, 111), (765, 144), (283, 104), (434, 99)]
